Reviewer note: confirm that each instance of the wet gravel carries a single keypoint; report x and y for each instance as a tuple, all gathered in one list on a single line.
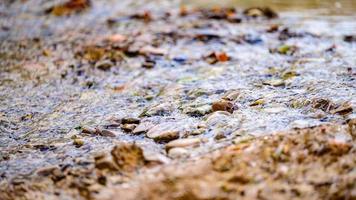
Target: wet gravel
[(181, 73)]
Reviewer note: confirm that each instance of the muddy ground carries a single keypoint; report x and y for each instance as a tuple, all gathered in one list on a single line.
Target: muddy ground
[(168, 100)]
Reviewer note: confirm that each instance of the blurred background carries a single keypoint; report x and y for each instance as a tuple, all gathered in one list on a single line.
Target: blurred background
[(327, 7)]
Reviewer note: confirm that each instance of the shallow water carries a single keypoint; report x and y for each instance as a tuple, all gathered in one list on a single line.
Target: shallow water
[(47, 111)]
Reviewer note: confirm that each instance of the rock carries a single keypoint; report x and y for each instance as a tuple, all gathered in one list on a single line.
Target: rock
[(69, 7), (258, 102), (46, 171), (107, 133), (128, 127), (149, 64), (78, 142), (223, 105), (104, 65), (219, 135), (323, 104), (155, 158), (217, 117), (343, 109), (231, 95), (149, 50), (104, 162), (130, 120), (198, 111), (142, 128), (164, 132), (198, 131), (260, 11), (128, 157), (186, 142), (274, 82), (158, 110), (215, 57), (178, 152), (88, 130)]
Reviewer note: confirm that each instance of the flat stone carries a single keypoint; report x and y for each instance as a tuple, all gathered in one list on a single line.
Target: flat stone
[(178, 152), (163, 132), (107, 133), (128, 127), (130, 120), (185, 142), (142, 128)]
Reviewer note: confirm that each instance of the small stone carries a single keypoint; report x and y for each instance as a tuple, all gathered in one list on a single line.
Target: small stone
[(46, 171), (217, 117), (258, 102), (198, 111), (186, 142), (149, 64), (274, 82), (107, 133), (219, 136), (130, 120), (198, 131), (223, 105), (128, 127), (344, 109), (142, 128), (158, 110), (128, 157), (88, 130), (78, 142), (103, 162), (231, 95), (178, 152), (104, 65), (155, 158), (163, 132)]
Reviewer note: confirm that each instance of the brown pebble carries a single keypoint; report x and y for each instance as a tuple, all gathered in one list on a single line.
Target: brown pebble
[(223, 105), (88, 130), (107, 133), (163, 132), (130, 120), (78, 142), (128, 127)]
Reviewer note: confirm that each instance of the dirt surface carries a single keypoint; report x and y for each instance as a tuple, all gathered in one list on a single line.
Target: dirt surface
[(165, 100)]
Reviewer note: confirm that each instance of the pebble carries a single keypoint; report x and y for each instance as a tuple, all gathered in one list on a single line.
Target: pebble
[(186, 142), (130, 120), (163, 132), (258, 102), (104, 65), (198, 111), (223, 105), (107, 133), (142, 128), (128, 127), (88, 130), (178, 152), (274, 82), (78, 142), (231, 95), (46, 171), (158, 110), (217, 117)]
